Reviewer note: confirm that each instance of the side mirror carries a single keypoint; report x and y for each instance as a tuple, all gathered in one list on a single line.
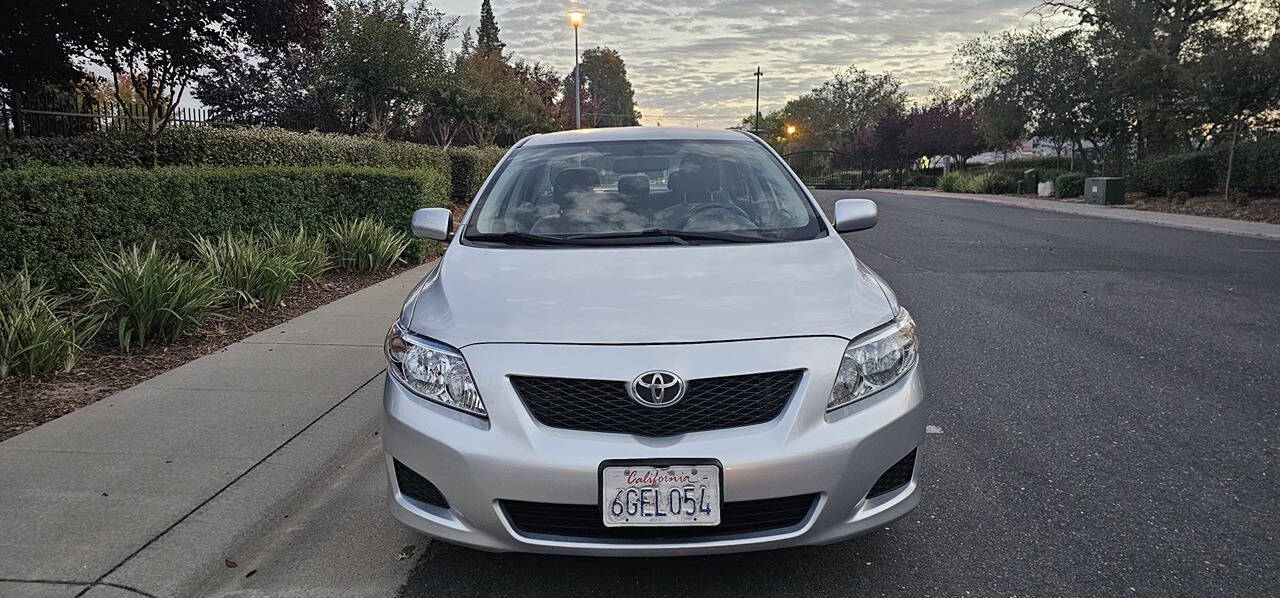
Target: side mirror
[(854, 215), (433, 223)]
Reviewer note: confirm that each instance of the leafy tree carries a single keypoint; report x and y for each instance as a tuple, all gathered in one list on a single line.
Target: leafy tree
[(1144, 45), (946, 125), (1234, 80), (607, 97), (160, 47), (380, 58), (38, 42), (1002, 122), (889, 143), (487, 35)]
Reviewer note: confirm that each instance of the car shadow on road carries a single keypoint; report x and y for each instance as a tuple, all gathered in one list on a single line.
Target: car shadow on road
[(447, 570)]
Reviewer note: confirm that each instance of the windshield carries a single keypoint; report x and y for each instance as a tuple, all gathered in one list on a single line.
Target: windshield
[(632, 192)]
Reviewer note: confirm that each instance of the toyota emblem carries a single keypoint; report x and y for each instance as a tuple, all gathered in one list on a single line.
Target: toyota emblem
[(657, 388)]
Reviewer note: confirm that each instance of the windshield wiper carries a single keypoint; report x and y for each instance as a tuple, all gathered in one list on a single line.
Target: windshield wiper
[(677, 235), (519, 238)]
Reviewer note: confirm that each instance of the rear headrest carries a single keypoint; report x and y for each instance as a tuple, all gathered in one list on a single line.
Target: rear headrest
[(576, 179), (633, 184)]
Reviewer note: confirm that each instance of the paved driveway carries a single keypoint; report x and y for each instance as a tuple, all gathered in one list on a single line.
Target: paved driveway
[(1107, 395)]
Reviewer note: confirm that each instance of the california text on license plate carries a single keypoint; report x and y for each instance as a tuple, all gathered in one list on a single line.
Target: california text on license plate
[(640, 495)]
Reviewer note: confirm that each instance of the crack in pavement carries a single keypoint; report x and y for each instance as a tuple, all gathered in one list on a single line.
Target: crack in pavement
[(99, 581)]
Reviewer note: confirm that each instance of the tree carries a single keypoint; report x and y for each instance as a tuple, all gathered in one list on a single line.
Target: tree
[(1234, 78), (889, 143), (605, 90), (1002, 122), (487, 35), (37, 44), (835, 112), (159, 47), (1145, 45), (381, 58), (945, 126)]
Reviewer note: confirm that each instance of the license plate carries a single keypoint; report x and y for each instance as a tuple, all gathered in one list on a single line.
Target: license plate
[(673, 495)]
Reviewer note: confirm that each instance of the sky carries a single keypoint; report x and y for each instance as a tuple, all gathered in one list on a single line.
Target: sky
[(691, 62)]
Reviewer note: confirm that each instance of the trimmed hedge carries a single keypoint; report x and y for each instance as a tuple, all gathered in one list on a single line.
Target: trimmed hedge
[(213, 146), (1190, 172), (1256, 169), (56, 218), (469, 167), (1068, 185)]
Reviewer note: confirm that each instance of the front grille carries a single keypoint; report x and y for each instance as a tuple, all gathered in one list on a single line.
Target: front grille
[(895, 477), (417, 487), (585, 521), (605, 406)]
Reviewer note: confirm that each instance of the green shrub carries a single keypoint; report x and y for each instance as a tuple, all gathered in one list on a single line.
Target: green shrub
[(1046, 175), (1256, 169), (989, 182), (151, 295), (366, 245), (1069, 185), (251, 268), (950, 182), (468, 169), (922, 179), (1190, 172), (38, 333), (307, 250), (54, 216)]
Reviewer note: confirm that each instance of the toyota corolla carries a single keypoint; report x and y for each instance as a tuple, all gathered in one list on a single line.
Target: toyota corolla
[(650, 341)]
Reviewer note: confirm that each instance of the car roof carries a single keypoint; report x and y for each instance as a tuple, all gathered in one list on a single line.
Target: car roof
[(634, 134)]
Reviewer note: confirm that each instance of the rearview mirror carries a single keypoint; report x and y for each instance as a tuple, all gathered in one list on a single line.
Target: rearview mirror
[(433, 223), (854, 215)]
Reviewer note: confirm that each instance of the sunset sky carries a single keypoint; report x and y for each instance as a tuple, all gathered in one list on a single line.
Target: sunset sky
[(691, 62)]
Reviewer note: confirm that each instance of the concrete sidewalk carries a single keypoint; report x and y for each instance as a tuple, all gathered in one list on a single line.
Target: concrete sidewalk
[(1228, 226), (145, 491)]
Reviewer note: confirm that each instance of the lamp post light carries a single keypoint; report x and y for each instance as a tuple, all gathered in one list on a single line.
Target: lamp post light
[(575, 18), (759, 73), (791, 130)]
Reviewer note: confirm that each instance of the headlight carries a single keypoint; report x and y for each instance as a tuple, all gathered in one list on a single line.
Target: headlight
[(876, 361), (432, 371)]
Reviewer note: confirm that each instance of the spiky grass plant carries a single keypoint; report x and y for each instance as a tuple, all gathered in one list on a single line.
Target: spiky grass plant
[(366, 245), (307, 250), (151, 295), (254, 271), (39, 332)]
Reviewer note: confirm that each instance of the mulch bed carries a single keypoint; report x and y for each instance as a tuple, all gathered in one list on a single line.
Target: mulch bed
[(1256, 210), (103, 368)]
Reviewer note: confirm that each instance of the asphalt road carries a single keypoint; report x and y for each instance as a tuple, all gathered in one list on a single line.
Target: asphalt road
[(1107, 394)]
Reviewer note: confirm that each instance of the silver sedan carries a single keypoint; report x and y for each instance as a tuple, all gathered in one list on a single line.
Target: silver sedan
[(650, 341)]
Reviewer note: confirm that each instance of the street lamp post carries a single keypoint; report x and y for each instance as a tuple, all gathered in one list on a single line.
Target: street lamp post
[(575, 17), (758, 74)]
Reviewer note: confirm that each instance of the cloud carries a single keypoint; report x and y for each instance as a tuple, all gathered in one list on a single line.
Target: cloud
[(691, 62)]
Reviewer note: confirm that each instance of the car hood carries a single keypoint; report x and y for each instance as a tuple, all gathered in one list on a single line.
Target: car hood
[(648, 294)]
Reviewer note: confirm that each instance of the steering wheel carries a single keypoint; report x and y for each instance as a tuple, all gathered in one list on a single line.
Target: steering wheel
[(707, 207)]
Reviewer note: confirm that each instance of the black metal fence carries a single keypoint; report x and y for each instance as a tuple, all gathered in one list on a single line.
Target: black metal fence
[(63, 115)]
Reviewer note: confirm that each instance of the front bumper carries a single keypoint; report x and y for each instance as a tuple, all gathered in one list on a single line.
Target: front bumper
[(476, 463)]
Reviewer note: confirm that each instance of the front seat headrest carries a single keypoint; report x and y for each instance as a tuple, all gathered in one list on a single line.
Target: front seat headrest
[(575, 179), (633, 184)]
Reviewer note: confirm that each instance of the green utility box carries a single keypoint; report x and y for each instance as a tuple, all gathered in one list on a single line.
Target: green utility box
[(1105, 191), (1030, 178)]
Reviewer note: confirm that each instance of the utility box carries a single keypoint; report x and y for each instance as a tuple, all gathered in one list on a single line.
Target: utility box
[(1045, 189), (1104, 191), (1030, 178)]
